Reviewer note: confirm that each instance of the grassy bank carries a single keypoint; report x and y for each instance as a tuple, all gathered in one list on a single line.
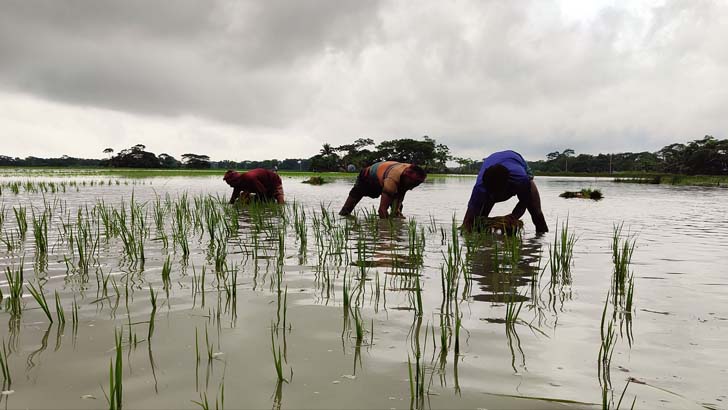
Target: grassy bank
[(692, 180), (23, 172), (650, 178), (635, 177)]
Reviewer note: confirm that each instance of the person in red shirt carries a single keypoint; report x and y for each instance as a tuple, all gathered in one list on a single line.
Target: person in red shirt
[(266, 185)]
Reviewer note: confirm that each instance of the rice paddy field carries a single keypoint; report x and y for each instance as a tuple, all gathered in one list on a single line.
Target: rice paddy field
[(154, 293)]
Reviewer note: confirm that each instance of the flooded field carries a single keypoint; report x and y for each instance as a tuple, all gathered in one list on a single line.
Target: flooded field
[(154, 293)]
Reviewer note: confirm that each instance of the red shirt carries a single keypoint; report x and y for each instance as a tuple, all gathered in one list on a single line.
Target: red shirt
[(257, 181)]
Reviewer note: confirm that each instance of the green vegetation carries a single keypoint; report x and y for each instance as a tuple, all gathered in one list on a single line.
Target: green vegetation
[(116, 372), (586, 193), (706, 156), (39, 297), (674, 179), (4, 365), (316, 180)]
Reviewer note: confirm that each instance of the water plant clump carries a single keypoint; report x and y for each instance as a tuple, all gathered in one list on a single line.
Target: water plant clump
[(584, 193), (316, 181), (116, 373), (622, 276)]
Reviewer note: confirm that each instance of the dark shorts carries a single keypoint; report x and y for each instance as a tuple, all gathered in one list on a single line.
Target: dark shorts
[(365, 186)]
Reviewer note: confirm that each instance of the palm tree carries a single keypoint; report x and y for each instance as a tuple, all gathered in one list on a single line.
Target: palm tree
[(327, 149)]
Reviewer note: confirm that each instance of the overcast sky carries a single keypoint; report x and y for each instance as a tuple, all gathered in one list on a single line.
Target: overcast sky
[(276, 79)]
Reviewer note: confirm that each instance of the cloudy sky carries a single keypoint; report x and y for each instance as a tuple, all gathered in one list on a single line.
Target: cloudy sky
[(275, 79)]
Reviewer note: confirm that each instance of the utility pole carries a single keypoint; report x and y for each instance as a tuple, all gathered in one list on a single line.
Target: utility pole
[(610, 163)]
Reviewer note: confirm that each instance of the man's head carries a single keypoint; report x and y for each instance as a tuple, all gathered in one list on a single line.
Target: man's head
[(230, 177), (412, 177), (495, 179)]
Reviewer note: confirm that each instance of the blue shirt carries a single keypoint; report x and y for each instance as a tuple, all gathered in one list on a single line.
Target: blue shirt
[(519, 180)]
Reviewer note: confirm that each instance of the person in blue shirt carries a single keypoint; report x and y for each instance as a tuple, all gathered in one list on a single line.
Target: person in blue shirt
[(503, 175)]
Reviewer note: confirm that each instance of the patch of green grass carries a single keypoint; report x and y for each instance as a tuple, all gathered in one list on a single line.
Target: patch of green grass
[(316, 180), (676, 179), (585, 193)]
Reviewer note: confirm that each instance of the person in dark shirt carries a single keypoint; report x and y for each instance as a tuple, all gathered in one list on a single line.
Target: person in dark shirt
[(266, 185), (388, 179), (503, 175)]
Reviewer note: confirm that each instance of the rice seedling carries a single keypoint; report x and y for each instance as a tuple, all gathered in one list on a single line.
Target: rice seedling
[(621, 396), (359, 326), (116, 373), (153, 300), (219, 400), (74, 314), (40, 234), (419, 310), (561, 253), (512, 250), (277, 357), (5, 365), (59, 310), (513, 309), (417, 378), (39, 297), (606, 348), (166, 270), (11, 243), (21, 219), (180, 227), (622, 278), (15, 285)]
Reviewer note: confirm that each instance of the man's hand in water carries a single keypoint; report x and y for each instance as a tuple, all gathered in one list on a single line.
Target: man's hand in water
[(511, 219)]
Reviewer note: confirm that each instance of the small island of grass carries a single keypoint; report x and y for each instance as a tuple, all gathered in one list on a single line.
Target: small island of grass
[(586, 193), (316, 181)]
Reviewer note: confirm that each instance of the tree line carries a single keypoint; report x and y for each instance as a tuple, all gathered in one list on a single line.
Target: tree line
[(706, 156)]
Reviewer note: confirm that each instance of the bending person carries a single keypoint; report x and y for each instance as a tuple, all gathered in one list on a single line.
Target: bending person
[(266, 185), (388, 179), (503, 175)]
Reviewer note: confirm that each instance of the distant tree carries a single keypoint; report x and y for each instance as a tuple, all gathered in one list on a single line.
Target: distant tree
[(327, 149), (551, 156), (355, 154), (135, 157), (326, 160), (168, 161), (425, 153), (109, 151), (465, 164), (196, 161)]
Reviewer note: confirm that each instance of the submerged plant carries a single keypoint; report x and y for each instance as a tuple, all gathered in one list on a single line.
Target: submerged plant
[(116, 372), (561, 254), (622, 280), (277, 357), (39, 297), (4, 365), (15, 284), (59, 310), (21, 219)]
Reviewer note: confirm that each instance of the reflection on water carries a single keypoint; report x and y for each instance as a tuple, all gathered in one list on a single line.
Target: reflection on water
[(381, 313), (503, 266)]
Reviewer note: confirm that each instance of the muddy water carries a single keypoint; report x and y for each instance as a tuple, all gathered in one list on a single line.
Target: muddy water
[(548, 359)]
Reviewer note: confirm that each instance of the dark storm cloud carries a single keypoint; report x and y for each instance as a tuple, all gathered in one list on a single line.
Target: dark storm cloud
[(243, 62), (533, 75)]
